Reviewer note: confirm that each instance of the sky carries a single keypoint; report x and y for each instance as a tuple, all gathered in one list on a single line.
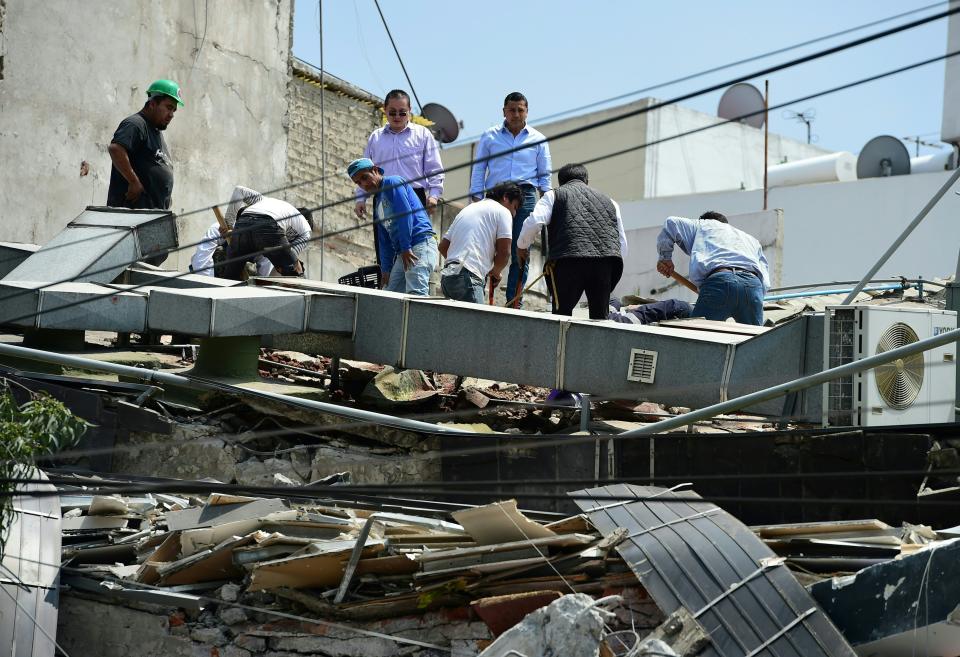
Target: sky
[(563, 54)]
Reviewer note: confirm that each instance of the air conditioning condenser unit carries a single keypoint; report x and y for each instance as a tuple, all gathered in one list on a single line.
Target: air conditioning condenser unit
[(918, 389)]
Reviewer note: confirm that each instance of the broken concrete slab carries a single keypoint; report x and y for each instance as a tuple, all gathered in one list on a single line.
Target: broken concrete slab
[(392, 387), (368, 467), (571, 625)]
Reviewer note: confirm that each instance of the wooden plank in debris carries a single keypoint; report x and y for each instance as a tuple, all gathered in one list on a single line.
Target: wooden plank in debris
[(167, 551), (869, 526), (499, 522), (209, 565), (563, 540), (322, 570), (93, 523), (211, 515)]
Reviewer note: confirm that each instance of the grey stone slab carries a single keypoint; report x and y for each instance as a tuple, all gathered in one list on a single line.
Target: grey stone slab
[(484, 341), (220, 312), (71, 306)]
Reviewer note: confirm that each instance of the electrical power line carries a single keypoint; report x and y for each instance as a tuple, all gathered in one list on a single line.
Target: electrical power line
[(399, 58), (716, 69), (591, 126), (371, 223)]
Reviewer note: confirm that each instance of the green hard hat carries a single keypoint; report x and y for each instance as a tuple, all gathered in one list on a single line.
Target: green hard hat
[(167, 88)]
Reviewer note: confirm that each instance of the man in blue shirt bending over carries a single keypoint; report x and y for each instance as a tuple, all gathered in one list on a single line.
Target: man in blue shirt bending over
[(726, 264), (529, 167), (407, 243)]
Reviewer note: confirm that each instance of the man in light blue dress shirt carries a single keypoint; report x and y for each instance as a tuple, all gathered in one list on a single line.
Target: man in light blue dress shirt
[(528, 166), (726, 264)]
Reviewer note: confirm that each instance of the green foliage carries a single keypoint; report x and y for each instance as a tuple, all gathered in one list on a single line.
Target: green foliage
[(29, 432)]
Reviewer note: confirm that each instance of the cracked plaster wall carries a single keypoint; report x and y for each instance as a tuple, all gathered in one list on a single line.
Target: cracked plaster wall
[(73, 71)]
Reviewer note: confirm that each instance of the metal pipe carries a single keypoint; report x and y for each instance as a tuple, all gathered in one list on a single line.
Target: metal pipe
[(807, 286), (167, 378), (822, 293), (766, 138), (792, 386), (903, 236)]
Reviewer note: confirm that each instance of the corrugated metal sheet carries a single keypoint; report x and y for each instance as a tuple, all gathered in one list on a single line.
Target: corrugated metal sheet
[(30, 578), (692, 554)]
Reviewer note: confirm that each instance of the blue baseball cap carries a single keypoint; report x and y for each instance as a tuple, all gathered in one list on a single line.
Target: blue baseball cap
[(363, 163)]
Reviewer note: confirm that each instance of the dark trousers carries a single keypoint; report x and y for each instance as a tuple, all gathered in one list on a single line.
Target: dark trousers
[(252, 235), (515, 275), (595, 276)]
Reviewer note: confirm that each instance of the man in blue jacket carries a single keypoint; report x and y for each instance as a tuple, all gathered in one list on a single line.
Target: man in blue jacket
[(406, 241)]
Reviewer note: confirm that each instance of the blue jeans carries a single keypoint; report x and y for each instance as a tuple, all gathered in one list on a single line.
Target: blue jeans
[(416, 279), (465, 286), (731, 294), (529, 202)]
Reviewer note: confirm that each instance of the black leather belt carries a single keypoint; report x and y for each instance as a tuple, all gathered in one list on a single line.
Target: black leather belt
[(733, 270)]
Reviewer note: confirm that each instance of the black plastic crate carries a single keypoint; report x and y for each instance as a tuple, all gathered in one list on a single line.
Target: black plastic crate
[(368, 276)]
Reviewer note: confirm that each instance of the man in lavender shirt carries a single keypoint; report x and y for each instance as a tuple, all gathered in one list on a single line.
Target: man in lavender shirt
[(407, 150)]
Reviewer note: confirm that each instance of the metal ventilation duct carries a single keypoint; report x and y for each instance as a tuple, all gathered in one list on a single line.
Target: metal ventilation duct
[(98, 245)]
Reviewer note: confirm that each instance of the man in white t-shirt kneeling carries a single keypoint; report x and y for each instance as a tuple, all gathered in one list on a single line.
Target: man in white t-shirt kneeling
[(477, 245)]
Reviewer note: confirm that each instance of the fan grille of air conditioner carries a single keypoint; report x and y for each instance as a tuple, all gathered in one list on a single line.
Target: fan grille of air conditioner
[(899, 382)]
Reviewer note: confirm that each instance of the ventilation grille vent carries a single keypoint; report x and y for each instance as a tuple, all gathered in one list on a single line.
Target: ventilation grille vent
[(899, 382), (841, 343), (643, 366)]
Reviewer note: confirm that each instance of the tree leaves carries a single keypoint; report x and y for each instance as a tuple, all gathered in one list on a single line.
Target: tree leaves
[(29, 432)]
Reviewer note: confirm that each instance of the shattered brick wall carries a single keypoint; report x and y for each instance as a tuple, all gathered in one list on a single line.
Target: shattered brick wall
[(350, 115)]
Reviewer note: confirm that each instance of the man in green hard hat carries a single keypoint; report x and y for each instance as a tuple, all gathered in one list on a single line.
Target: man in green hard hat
[(142, 173)]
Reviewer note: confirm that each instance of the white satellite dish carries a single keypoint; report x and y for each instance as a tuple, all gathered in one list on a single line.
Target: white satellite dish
[(742, 102), (445, 126), (883, 156)]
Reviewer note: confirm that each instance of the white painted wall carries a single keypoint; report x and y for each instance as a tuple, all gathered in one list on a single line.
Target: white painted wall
[(74, 70), (640, 275), (835, 231), (950, 127), (722, 158)]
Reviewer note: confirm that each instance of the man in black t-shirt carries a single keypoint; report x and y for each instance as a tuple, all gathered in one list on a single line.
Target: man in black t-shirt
[(142, 173)]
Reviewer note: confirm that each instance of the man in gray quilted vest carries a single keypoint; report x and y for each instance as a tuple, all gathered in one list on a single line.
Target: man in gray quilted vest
[(585, 239)]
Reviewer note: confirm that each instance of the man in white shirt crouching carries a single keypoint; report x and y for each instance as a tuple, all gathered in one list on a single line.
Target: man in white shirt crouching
[(477, 245)]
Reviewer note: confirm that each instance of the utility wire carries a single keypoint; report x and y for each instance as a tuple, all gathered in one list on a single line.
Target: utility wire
[(723, 67), (349, 493), (639, 111), (371, 223), (600, 123), (399, 58)]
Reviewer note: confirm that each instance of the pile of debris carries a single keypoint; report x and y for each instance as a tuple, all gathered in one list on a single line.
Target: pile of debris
[(218, 558), (255, 575)]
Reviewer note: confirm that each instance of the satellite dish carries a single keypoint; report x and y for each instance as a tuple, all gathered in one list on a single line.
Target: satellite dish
[(445, 127), (883, 156), (741, 100)]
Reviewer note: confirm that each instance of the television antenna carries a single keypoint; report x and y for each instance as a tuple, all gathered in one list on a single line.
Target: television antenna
[(806, 116), (919, 142)]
